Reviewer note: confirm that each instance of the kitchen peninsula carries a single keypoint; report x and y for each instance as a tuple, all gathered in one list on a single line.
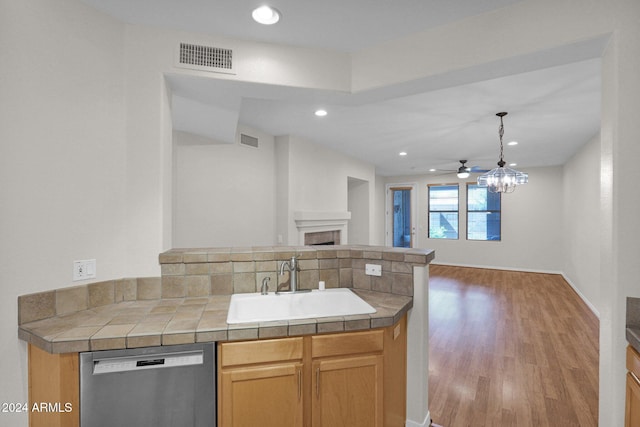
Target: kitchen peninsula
[(189, 304)]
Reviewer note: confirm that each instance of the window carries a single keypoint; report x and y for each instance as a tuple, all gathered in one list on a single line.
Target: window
[(483, 213), (443, 211)]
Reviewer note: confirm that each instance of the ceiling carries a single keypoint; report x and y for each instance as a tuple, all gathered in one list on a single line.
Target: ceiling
[(552, 111)]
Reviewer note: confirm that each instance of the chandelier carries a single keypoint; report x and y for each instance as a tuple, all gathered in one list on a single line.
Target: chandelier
[(501, 179)]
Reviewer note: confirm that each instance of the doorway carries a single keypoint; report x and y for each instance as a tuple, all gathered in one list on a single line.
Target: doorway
[(400, 226)]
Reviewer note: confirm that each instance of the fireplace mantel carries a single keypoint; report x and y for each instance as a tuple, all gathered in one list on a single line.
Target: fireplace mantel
[(312, 222)]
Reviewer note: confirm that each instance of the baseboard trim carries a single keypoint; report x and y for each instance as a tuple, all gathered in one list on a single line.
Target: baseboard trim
[(425, 423), (584, 299), (593, 309), (494, 267)]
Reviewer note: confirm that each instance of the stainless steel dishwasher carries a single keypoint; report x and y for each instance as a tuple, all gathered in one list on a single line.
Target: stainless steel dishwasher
[(169, 386)]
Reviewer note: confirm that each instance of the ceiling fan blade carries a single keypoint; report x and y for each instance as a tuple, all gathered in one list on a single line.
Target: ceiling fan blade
[(477, 169)]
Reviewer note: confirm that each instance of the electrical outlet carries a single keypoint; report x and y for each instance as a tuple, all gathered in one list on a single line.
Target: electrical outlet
[(373, 269), (84, 269)]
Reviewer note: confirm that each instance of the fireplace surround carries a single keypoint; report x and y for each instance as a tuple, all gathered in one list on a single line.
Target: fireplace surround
[(322, 228)]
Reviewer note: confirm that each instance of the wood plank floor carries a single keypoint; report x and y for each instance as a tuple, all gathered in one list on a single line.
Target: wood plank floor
[(510, 349)]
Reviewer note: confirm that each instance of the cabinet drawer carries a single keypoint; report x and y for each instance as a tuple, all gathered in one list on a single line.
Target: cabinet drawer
[(250, 352), (349, 343), (633, 361)]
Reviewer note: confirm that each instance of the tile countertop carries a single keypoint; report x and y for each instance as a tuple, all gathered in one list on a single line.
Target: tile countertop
[(633, 322), (633, 337), (146, 323)]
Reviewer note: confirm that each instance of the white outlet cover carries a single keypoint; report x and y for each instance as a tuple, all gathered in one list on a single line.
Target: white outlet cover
[(373, 269), (84, 269)]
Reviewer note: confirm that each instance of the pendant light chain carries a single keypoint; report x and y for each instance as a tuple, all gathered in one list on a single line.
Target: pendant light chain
[(501, 134)]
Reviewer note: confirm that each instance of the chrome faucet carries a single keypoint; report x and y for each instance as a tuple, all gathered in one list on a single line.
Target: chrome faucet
[(292, 266), (264, 290)]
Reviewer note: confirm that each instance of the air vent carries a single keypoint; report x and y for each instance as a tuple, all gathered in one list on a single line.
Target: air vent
[(249, 141), (205, 58)]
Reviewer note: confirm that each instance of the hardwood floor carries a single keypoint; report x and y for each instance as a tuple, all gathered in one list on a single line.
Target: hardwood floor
[(510, 349)]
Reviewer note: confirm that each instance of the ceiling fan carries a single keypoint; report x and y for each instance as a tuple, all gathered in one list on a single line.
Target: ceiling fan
[(463, 171)]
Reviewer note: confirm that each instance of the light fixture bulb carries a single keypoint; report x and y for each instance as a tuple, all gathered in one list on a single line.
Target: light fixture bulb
[(321, 113), (402, 153), (265, 15), (463, 170)]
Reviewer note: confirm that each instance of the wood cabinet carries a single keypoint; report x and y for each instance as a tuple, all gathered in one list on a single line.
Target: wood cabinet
[(54, 395), (632, 405), (347, 379), (261, 383), (347, 392), (354, 379)]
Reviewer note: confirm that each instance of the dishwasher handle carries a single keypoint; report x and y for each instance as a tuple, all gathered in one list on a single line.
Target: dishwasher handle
[(140, 363), (158, 361)]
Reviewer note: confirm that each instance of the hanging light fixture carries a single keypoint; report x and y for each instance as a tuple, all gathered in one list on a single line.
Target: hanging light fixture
[(463, 170), (501, 179)]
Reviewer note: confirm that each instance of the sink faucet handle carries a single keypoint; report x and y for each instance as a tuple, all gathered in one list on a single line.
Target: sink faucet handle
[(265, 285)]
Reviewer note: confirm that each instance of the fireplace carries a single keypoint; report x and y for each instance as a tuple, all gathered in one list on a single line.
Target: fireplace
[(322, 228), (317, 238)]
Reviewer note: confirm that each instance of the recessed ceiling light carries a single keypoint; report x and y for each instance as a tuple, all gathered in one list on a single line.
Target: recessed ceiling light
[(402, 153), (513, 143), (513, 164), (432, 170), (265, 15), (321, 113)]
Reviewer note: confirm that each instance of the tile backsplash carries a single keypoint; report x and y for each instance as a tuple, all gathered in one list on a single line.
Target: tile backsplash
[(224, 271), (199, 272)]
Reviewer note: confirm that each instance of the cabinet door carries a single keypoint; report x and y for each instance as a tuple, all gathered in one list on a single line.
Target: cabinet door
[(266, 396), (632, 407), (347, 392)]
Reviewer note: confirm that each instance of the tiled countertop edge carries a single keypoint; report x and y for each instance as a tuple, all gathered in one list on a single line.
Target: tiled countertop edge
[(633, 337), (390, 309), (633, 322)]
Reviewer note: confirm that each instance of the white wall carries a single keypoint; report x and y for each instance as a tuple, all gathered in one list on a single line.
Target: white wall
[(379, 219), (619, 203), (310, 161), (225, 193), (232, 195), (359, 204), (581, 222), (317, 180), (521, 37), (62, 161), (531, 225), (149, 55)]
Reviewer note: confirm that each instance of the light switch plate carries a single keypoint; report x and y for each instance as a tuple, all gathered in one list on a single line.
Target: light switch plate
[(373, 269)]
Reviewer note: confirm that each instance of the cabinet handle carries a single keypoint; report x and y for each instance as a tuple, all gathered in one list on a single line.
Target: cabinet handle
[(299, 384), (317, 382)]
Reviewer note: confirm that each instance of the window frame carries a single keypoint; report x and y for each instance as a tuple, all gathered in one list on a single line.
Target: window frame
[(490, 211), (429, 211)]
